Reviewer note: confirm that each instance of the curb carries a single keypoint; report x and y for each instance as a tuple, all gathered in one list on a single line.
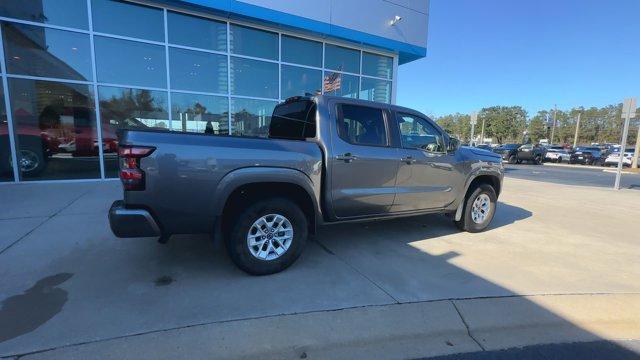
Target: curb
[(409, 330)]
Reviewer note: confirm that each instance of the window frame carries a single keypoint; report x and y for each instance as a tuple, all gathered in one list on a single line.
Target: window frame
[(398, 114), (385, 121)]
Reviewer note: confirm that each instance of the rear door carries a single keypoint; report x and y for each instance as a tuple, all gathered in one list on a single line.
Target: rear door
[(363, 164), (426, 176)]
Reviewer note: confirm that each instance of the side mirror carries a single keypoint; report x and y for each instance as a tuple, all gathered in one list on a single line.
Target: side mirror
[(454, 144)]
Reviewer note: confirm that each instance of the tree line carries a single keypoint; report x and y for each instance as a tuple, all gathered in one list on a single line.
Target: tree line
[(506, 124)]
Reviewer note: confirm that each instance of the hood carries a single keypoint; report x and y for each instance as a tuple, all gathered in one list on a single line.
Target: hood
[(480, 154)]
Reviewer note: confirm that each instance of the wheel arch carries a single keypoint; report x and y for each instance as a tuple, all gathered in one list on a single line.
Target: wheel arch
[(240, 187), (492, 179)]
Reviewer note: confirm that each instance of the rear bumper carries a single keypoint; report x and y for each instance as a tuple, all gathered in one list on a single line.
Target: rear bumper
[(127, 223)]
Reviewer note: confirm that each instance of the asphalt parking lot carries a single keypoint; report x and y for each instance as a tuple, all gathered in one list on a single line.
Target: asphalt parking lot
[(558, 264), (574, 175)]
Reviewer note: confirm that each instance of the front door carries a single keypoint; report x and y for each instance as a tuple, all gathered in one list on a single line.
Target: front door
[(426, 176), (363, 164)]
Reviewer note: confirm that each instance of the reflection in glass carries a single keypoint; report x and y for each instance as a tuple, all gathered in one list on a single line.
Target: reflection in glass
[(253, 42), (56, 127), (341, 59), (127, 19), (301, 51), (377, 65), (251, 117), (6, 171), (129, 62), (196, 32), (69, 13), (298, 81), (198, 71), (200, 113), (376, 90), (338, 84), (254, 78), (124, 108), (38, 51)]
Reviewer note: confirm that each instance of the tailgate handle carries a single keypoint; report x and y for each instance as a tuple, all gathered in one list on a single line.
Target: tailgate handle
[(348, 157)]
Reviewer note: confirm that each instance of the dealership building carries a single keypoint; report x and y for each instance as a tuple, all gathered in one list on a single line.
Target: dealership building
[(75, 71)]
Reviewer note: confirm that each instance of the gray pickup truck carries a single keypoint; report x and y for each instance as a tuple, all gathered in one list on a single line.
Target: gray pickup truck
[(326, 160)]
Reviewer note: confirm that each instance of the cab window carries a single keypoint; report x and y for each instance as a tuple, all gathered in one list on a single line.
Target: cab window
[(418, 133), (361, 125)]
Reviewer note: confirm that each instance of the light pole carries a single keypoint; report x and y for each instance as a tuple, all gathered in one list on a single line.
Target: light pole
[(473, 120), (553, 125), (575, 137), (628, 112)]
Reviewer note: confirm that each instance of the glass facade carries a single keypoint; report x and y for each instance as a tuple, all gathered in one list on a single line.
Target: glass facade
[(76, 71)]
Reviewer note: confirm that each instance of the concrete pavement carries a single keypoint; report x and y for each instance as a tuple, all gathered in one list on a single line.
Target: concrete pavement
[(67, 281)]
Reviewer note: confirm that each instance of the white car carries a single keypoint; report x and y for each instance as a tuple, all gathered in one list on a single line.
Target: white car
[(614, 158), (557, 155)]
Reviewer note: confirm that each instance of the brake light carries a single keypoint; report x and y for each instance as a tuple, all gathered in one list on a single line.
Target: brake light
[(131, 175)]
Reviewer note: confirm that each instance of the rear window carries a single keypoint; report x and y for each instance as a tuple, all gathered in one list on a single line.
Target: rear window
[(294, 120)]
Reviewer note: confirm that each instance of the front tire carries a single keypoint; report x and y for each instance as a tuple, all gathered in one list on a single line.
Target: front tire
[(268, 236), (512, 159), (479, 209)]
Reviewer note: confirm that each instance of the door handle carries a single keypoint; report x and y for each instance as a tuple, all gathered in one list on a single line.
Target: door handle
[(409, 160), (348, 157)]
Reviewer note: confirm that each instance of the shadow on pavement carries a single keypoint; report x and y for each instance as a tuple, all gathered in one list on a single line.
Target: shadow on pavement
[(135, 286)]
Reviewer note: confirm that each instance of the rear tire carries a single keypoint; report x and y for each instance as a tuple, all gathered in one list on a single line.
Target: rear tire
[(473, 219), (260, 224)]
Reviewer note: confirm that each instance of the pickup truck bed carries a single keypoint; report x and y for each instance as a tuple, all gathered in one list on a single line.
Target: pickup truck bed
[(189, 176)]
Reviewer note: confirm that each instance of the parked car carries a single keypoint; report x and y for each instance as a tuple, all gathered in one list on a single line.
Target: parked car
[(582, 158), (614, 158), (327, 160), (531, 153), (508, 152), (586, 155), (484, 146), (557, 155)]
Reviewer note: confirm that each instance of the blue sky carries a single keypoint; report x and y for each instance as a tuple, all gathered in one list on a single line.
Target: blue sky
[(534, 53)]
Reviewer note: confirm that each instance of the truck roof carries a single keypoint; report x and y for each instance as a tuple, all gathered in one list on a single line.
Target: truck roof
[(323, 98)]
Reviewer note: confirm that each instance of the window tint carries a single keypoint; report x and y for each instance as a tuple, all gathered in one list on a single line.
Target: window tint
[(130, 62), (417, 133), (342, 59), (300, 81), (200, 113), (196, 32), (301, 51), (361, 125), (69, 13), (39, 51), (338, 84), (375, 90), (127, 19), (377, 65), (198, 71), (294, 120), (254, 78), (253, 42)]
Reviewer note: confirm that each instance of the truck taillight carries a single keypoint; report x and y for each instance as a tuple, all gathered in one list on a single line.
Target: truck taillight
[(131, 175)]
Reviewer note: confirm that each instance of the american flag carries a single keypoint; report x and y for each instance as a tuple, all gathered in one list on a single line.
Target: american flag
[(332, 82)]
